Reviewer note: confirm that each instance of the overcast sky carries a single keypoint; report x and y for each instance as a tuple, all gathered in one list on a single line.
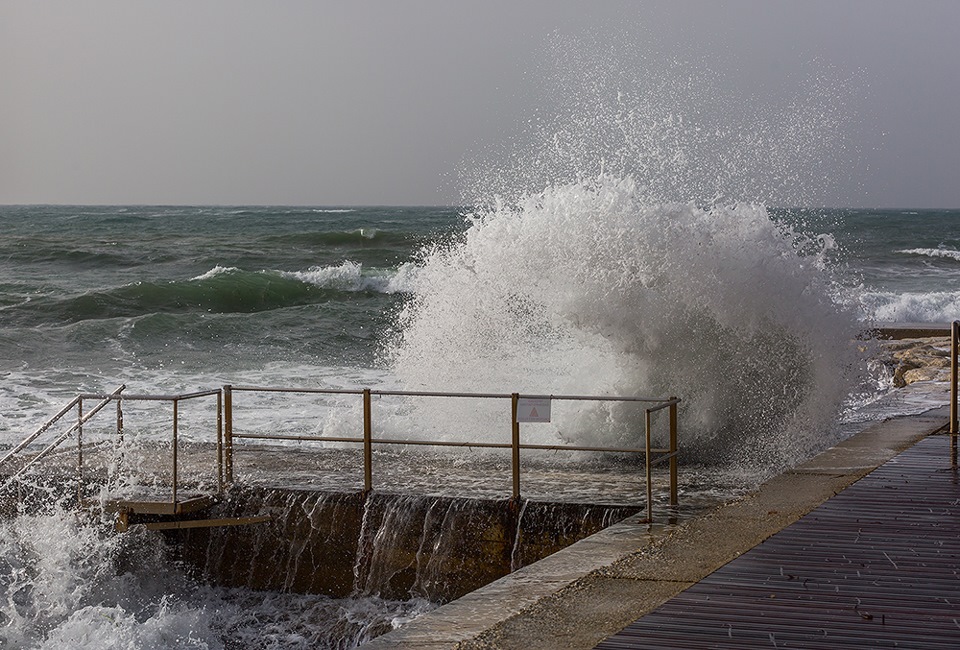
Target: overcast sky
[(358, 102)]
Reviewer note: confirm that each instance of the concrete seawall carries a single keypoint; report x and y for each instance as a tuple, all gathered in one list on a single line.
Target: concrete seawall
[(397, 547)]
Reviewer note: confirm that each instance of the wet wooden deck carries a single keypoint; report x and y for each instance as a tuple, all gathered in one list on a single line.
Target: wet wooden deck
[(877, 566)]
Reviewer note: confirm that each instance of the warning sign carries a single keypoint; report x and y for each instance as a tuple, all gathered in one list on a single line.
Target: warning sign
[(533, 409)]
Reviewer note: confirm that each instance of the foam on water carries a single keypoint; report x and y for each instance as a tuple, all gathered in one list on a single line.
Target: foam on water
[(69, 583), (942, 253), (351, 276), (911, 307)]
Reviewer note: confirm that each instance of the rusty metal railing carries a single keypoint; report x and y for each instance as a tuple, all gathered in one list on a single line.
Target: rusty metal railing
[(653, 456), (226, 435), (46, 426), (119, 398), (954, 353), (174, 401)]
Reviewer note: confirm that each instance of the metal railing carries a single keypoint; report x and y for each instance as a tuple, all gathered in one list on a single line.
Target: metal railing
[(225, 434), (119, 398), (77, 427), (653, 456)]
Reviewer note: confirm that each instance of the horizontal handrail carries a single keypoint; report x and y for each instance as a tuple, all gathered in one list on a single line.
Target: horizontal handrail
[(451, 443), (226, 436), (276, 389), (661, 401), (653, 456), (154, 398)]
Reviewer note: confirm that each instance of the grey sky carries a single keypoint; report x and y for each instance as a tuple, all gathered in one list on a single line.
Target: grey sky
[(358, 102)]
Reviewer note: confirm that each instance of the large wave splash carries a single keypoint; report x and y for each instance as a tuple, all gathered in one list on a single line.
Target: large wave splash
[(70, 583), (591, 288)]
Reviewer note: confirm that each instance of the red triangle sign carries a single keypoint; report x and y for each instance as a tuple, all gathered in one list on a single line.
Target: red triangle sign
[(533, 412)]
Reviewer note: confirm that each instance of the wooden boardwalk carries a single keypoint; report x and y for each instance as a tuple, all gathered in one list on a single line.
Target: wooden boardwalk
[(877, 566)]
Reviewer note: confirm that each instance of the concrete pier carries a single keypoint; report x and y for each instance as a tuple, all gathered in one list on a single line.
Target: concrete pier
[(581, 595)]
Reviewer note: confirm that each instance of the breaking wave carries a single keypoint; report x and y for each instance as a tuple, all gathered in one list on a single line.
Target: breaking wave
[(939, 253), (588, 288), (219, 290), (912, 307), (623, 247)]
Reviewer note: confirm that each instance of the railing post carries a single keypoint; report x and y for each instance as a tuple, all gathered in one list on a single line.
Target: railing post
[(367, 443), (228, 433), (954, 352), (120, 449), (515, 399), (175, 477), (648, 467), (220, 442), (79, 452), (673, 454)]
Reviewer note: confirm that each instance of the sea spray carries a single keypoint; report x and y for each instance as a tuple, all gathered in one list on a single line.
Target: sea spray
[(588, 287), (682, 126), (71, 582), (622, 245)]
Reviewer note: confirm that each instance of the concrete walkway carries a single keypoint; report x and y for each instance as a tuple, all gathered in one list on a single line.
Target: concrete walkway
[(583, 594)]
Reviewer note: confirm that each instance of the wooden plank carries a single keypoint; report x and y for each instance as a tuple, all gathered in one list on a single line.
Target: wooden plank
[(158, 507)]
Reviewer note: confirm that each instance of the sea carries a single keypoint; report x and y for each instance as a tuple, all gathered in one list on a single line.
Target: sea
[(748, 313)]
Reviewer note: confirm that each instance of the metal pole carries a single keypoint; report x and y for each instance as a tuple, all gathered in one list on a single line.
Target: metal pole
[(649, 474), (367, 443), (228, 433), (120, 419), (175, 418), (515, 399), (673, 454), (220, 442), (120, 453), (79, 452), (954, 352)]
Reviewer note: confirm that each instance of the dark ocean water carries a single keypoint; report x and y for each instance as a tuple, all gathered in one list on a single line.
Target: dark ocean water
[(188, 297), (183, 298)]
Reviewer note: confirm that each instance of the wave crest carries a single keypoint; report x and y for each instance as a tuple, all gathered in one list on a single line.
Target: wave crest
[(912, 307), (588, 288), (941, 253)]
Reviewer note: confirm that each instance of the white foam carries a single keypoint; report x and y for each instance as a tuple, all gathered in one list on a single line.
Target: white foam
[(586, 288), (351, 276), (69, 584), (911, 307), (215, 271), (942, 252)]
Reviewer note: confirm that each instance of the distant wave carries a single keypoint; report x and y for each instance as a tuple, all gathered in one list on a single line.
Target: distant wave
[(350, 276), (214, 272), (31, 251), (356, 237), (332, 210), (918, 307), (945, 253), (219, 290)]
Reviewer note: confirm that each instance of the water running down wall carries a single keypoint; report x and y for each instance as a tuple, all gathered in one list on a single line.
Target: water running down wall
[(391, 546)]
